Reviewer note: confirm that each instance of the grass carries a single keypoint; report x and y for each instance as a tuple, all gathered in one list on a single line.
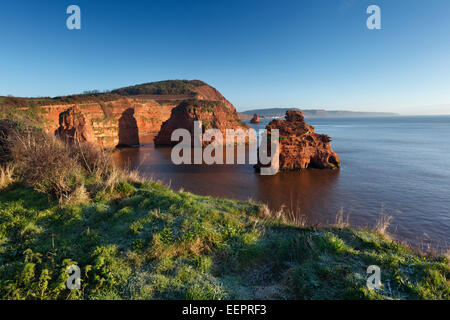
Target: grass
[(17, 102), (141, 240)]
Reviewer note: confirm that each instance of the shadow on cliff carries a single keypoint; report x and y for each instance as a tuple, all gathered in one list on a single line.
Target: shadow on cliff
[(128, 129)]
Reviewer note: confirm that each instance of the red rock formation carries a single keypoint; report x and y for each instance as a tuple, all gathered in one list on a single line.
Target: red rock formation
[(255, 119), (72, 126), (300, 146), (206, 92), (213, 114), (128, 129), (101, 120), (106, 125), (174, 92)]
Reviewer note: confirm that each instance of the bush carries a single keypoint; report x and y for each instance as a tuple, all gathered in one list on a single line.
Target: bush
[(125, 189), (62, 169), (6, 126), (45, 163), (92, 159)]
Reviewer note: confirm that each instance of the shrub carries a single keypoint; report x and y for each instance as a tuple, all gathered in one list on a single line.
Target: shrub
[(6, 126), (45, 163), (60, 168), (125, 189), (92, 159)]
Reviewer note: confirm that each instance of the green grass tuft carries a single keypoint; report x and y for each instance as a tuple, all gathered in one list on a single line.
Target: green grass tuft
[(145, 241)]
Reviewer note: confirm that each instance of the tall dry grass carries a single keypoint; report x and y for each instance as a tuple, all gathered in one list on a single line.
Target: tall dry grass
[(6, 175), (285, 215), (91, 158), (342, 219), (383, 222), (294, 217)]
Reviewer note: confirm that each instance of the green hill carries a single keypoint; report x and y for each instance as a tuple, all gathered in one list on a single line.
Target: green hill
[(167, 87)]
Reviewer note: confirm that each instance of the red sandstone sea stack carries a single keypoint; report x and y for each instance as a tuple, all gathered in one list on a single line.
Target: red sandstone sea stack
[(255, 119), (212, 114), (72, 126), (128, 129), (300, 146)]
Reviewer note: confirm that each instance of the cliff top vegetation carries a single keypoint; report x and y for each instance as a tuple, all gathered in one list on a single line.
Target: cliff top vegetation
[(167, 87)]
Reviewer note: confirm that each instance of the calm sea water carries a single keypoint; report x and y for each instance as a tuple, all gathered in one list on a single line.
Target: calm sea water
[(399, 165)]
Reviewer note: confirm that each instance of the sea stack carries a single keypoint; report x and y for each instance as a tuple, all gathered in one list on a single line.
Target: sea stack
[(255, 119), (300, 146), (72, 126), (212, 114)]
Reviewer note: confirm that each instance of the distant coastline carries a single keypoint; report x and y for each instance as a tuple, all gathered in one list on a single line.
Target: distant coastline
[(312, 113)]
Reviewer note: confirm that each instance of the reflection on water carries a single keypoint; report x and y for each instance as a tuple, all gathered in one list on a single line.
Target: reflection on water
[(312, 193), (385, 163)]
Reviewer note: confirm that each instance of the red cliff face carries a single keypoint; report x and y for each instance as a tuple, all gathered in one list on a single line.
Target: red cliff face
[(206, 92), (107, 124), (213, 114), (300, 146), (120, 122)]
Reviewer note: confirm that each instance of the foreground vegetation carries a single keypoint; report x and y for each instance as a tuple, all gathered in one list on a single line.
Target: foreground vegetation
[(134, 239), (142, 240)]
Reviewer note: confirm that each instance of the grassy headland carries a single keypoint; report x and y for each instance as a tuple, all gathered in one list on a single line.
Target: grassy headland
[(134, 239), (167, 87)]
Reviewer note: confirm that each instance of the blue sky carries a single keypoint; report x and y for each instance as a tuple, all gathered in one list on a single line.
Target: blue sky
[(310, 54)]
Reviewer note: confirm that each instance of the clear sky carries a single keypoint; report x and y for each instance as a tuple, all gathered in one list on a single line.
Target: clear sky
[(301, 53)]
